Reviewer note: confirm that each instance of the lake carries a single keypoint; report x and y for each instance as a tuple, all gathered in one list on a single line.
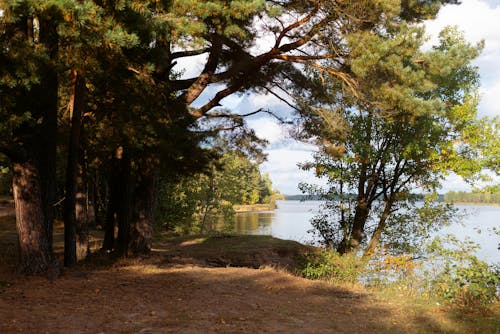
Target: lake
[(291, 220)]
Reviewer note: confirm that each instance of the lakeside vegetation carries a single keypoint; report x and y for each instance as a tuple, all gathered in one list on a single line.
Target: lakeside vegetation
[(207, 201)]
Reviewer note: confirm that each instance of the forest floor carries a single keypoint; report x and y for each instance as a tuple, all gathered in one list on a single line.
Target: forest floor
[(221, 284)]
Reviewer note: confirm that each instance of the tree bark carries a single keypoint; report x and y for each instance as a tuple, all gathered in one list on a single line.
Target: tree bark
[(46, 95), (352, 241), (73, 172), (91, 200), (81, 220), (119, 205), (34, 245), (375, 239), (34, 169), (144, 217)]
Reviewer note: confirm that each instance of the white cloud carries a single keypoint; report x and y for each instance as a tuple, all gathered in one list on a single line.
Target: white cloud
[(490, 104), (267, 128), (190, 67), (282, 166)]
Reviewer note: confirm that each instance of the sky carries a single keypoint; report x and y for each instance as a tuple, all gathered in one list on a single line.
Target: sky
[(478, 19)]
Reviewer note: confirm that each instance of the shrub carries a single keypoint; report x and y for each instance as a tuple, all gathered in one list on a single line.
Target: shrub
[(459, 277), (331, 266)]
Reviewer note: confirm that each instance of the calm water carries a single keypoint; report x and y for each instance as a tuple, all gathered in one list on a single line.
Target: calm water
[(292, 221)]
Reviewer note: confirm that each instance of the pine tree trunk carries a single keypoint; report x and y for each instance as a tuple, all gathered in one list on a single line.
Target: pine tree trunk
[(119, 204), (34, 170), (81, 221), (73, 170), (34, 246), (47, 99), (91, 199), (144, 216), (124, 213), (358, 226)]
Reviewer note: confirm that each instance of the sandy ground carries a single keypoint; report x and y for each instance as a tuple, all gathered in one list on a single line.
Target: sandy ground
[(156, 298), (168, 293)]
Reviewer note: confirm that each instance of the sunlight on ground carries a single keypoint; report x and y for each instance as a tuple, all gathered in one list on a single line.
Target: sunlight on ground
[(193, 242)]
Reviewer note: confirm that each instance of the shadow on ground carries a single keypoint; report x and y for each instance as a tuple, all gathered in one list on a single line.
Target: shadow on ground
[(176, 290)]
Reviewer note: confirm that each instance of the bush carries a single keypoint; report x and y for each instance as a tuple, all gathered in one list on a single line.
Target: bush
[(459, 277), (331, 266)]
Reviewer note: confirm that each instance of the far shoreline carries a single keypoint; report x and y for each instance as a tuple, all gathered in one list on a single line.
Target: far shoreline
[(243, 208), (473, 204)]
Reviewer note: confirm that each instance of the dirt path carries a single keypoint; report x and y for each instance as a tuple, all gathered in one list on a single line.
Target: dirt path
[(175, 291), (152, 299)]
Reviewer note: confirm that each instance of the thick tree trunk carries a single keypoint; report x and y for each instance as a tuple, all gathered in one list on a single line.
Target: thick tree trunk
[(144, 216), (34, 246), (34, 170), (352, 242), (119, 205), (358, 225), (73, 172), (47, 98)]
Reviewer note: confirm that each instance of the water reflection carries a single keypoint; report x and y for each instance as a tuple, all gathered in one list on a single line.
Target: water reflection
[(256, 223), (292, 221)]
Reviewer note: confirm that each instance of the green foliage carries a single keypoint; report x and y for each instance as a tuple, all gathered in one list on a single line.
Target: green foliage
[(331, 266), (204, 201), (449, 272), (411, 122), (458, 276)]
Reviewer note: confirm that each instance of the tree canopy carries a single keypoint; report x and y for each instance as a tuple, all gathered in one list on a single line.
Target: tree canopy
[(86, 77), (412, 121)]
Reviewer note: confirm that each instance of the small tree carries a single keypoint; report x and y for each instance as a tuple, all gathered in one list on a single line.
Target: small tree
[(412, 123)]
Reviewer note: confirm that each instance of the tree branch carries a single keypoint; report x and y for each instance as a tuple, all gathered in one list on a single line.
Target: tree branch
[(281, 98), (189, 53), (214, 102), (204, 79), (295, 25)]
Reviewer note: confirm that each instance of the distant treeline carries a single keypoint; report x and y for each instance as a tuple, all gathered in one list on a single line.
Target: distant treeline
[(485, 197), (450, 197)]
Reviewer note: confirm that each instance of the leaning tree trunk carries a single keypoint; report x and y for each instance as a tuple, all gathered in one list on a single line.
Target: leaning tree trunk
[(377, 234), (141, 237), (34, 245)]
